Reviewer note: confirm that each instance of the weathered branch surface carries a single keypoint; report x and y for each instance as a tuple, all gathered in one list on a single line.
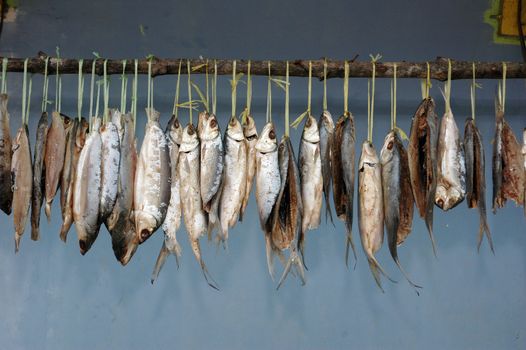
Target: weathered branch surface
[(298, 68)]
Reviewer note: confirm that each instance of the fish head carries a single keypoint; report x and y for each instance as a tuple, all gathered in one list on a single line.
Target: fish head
[(153, 115), (389, 147), (326, 121), (310, 130), (189, 141), (234, 130), (210, 128), (249, 128), (145, 226), (446, 198), (267, 142), (85, 243), (201, 120), (368, 155), (175, 130)]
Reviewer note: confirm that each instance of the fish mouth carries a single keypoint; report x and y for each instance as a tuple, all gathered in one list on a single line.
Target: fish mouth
[(127, 253), (84, 246)]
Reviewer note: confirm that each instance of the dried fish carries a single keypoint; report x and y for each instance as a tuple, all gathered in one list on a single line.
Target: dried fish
[(347, 154), (6, 192), (326, 127), (251, 135), (38, 177), (338, 185), (22, 175), (54, 157), (70, 130), (111, 157)]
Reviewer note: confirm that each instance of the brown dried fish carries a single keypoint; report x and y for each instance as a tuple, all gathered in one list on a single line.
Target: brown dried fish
[(338, 186), (6, 192), (54, 157), (37, 196), (22, 175)]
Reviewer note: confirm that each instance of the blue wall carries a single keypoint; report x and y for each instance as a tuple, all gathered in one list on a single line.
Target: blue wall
[(51, 297)]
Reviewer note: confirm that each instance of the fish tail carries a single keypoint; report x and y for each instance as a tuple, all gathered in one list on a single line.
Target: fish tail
[(17, 242), (328, 210), (64, 229), (197, 252), (48, 211), (430, 202), (376, 269), (294, 261), (301, 246), (484, 228), (414, 285), (35, 232), (350, 244), (270, 256), (163, 254)]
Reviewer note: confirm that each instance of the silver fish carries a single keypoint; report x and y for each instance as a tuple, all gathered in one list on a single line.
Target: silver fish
[(54, 157), (6, 152), (251, 135), (347, 141), (111, 157), (38, 177), (22, 175), (152, 179), (326, 128)]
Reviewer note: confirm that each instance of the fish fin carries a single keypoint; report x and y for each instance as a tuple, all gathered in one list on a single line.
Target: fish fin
[(163, 253), (301, 247), (350, 243), (294, 260), (270, 255), (376, 269), (429, 222), (484, 228), (394, 254)]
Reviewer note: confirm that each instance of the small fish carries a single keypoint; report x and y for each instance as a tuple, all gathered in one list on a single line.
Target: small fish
[(195, 219), (87, 189), (54, 157), (22, 175), (38, 177), (251, 135), (338, 185), (326, 127), (422, 155), (475, 178), (370, 208), (172, 222), (311, 180), (234, 178), (6, 152), (120, 223), (397, 196), (111, 157), (152, 179), (268, 184)]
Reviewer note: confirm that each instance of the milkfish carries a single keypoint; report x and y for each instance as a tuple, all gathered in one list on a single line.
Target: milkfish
[(87, 189), (326, 128), (54, 157), (38, 177), (234, 177), (311, 180), (370, 208), (251, 135), (451, 176), (66, 176), (338, 185), (475, 177), (422, 155), (121, 223), (6, 152), (111, 157), (268, 184), (397, 197), (22, 175), (172, 222), (195, 219), (152, 179)]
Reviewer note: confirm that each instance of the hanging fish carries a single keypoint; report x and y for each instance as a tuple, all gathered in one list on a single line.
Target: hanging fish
[(172, 222), (268, 184), (397, 197), (121, 223), (22, 175), (475, 177), (338, 185), (195, 219), (54, 157), (310, 179), (326, 128), (87, 189), (422, 155), (347, 142), (234, 179), (251, 135), (111, 157), (38, 177), (6, 192), (70, 131)]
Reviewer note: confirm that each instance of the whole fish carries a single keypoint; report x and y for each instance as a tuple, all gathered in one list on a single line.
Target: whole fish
[(370, 208), (451, 179), (338, 185), (70, 130), (120, 223), (152, 179), (326, 128), (422, 155), (286, 214), (172, 222), (6, 192), (475, 177), (251, 135), (311, 180), (54, 157), (195, 219), (268, 184), (22, 174), (87, 189), (78, 138), (38, 177), (234, 178), (111, 157), (397, 196)]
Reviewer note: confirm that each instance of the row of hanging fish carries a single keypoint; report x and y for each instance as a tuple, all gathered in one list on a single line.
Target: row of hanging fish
[(203, 178)]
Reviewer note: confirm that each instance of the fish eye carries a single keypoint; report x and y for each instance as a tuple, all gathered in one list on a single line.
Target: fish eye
[(309, 122), (190, 130), (176, 123), (390, 145), (272, 134)]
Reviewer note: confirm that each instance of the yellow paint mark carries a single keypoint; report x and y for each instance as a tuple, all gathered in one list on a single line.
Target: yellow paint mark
[(502, 16)]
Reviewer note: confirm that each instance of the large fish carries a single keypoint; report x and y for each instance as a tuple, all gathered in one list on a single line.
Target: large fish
[(311, 180), (6, 192), (54, 157), (22, 175), (78, 139), (370, 208), (234, 177), (475, 177), (268, 184), (152, 179), (120, 223), (326, 128), (111, 157), (251, 135), (38, 177), (398, 200), (451, 179), (87, 189), (338, 185), (422, 155), (172, 222), (195, 219)]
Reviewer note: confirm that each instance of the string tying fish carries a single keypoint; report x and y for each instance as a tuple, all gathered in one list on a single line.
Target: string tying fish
[(150, 83), (58, 84), (287, 101), (425, 84), (134, 94), (92, 88), (324, 84), (106, 91), (502, 87), (4, 75), (393, 99), (189, 88), (345, 89), (46, 86), (214, 89), (298, 120), (175, 109), (246, 113), (370, 98), (24, 93), (474, 86), (80, 90), (269, 96), (124, 87)]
